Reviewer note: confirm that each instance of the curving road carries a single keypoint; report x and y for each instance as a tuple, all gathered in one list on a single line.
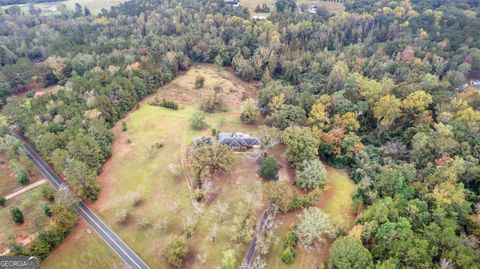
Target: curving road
[(112, 239)]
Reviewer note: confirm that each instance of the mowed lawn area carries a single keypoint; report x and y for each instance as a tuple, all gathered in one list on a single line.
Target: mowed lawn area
[(143, 188), (31, 204), (337, 203)]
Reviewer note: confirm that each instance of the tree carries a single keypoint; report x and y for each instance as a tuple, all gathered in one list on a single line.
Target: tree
[(229, 260), (269, 168), (277, 194), (197, 121), (17, 215), (349, 253), (3, 201), (250, 112), (269, 137), (207, 160), (338, 75), (301, 145), (387, 109), (288, 255), (284, 5), (22, 177), (175, 252), (416, 102), (319, 115), (310, 175), (314, 225), (287, 115)]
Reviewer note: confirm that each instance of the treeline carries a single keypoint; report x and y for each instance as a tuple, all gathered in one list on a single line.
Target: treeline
[(376, 92)]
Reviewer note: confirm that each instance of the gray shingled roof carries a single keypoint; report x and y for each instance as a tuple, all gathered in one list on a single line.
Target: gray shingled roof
[(237, 140)]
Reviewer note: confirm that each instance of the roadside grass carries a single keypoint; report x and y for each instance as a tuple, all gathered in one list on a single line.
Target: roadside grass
[(31, 204), (337, 203), (90, 252)]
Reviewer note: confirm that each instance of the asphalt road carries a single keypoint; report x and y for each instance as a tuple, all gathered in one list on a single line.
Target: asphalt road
[(247, 263), (112, 239)]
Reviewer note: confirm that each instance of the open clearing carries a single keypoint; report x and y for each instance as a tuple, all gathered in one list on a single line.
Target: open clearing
[(130, 175), (143, 189), (330, 6)]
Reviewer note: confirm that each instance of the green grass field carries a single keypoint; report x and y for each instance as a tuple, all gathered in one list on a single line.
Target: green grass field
[(31, 204), (95, 6)]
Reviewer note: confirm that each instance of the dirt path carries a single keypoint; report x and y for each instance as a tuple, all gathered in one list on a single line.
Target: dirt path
[(27, 188)]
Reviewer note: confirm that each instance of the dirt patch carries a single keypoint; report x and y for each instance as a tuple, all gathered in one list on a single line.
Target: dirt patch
[(182, 89)]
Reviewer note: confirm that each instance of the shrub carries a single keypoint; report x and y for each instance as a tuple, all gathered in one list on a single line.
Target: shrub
[(175, 252), (169, 104), (288, 255), (3, 201), (30, 94), (290, 240), (269, 168), (197, 121), (198, 194), (229, 260), (17, 215), (22, 177), (199, 82), (47, 210), (124, 126)]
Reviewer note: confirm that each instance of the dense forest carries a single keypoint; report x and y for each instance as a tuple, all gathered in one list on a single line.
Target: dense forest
[(375, 86)]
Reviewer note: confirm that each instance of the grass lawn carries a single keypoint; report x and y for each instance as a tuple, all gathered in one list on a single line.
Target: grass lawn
[(131, 175), (31, 204), (337, 203)]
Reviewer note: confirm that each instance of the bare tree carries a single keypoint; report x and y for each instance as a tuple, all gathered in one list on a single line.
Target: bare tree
[(143, 222), (222, 209), (121, 216), (162, 225), (269, 137), (212, 233)]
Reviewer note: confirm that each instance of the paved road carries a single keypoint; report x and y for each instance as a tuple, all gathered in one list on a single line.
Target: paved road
[(247, 263), (27, 188), (112, 239)]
